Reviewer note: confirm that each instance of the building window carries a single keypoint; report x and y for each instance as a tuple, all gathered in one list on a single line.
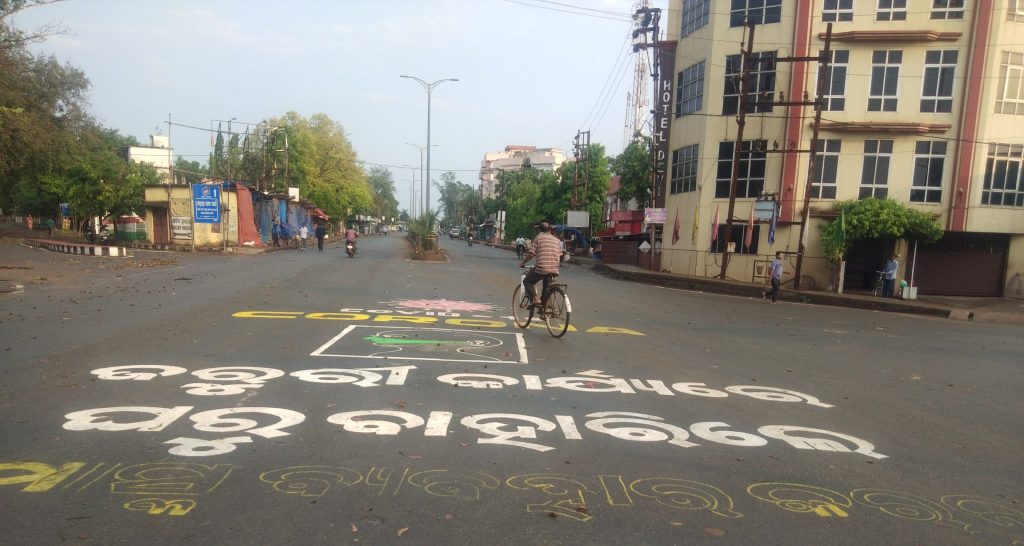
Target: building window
[(1010, 94), (947, 9), (690, 90), (837, 11), (885, 73), (891, 10), (750, 182), (835, 81), (695, 15), (762, 83), (874, 179), (939, 68), (1004, 176), (1015, 12), (929, 158), (826, 169), (739, 232), (684, 169), (756, 12)]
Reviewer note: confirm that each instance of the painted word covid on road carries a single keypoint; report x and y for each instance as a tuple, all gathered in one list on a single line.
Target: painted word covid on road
[(175, 489), (425, 344)]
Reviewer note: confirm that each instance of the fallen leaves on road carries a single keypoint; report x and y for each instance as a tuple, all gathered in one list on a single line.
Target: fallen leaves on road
[(146, 263), (354, 528), (713, 532), (402, 531)]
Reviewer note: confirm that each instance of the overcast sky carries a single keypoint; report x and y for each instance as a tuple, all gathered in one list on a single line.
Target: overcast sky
[(530, 73)]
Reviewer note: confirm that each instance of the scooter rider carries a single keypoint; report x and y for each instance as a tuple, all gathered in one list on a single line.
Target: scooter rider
[(350, 237)]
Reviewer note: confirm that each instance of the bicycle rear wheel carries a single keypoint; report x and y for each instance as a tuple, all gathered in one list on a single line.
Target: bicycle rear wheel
[(556, 313), (522, 315)]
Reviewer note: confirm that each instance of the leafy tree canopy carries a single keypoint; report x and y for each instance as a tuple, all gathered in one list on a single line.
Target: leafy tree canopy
[(633, 166), (875, 219)]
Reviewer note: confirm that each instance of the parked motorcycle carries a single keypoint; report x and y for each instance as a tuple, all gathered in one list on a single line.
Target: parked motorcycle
[(469, 240), (350, 249), (104, 237)]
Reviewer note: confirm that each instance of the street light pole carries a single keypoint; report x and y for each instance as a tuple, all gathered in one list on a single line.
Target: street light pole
[(429, 88), (422, 180)]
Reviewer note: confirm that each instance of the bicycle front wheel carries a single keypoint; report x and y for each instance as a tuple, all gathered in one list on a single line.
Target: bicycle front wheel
[(522, 311), (556, 315)]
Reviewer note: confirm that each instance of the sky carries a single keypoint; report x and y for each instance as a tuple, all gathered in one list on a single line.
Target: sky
[(531, 72)]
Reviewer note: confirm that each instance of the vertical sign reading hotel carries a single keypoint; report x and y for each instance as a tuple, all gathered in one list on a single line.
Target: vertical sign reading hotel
[(666, 52), (206, 203)]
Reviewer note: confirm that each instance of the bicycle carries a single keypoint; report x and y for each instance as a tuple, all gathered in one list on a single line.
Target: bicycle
[(555, 307), (878, 284)]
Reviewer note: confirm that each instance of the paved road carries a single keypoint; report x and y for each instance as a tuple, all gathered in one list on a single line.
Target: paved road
[(307, 398)]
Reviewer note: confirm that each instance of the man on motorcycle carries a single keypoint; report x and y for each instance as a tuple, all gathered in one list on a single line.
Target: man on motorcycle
[(548, 251), (350, 238)]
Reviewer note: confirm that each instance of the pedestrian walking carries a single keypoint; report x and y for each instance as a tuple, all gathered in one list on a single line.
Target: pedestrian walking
[(775, 278), (303, 234), (49, 227), (29, 222), (320, 231), (275, 233)]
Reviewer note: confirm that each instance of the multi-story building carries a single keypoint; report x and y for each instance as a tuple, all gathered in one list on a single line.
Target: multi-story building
[(923, 104), (514, 158), (157, 154)]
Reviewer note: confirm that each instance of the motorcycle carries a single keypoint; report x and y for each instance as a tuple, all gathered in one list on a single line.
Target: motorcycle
[(350, 249), (469, 240), (103, 237)]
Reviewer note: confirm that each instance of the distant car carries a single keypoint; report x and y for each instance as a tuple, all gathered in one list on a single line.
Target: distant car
[(455, 232)]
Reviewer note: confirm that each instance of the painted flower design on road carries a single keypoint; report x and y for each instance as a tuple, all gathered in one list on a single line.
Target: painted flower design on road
[(444, 305)]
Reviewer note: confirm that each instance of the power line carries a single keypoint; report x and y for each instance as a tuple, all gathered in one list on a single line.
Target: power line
[(624, 18)]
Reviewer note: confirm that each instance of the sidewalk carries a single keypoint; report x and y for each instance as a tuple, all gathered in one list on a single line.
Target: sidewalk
[(1001, 310)]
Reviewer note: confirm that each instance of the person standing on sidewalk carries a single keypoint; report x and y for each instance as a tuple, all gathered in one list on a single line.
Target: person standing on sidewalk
[(889, 276), (275, 232), (320, 232), (303, 234), (775, 279), (49, 227)]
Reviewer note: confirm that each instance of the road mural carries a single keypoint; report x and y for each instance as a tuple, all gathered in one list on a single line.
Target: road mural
[(175, 488)]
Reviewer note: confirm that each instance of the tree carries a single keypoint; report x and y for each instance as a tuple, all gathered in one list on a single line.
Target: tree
[(404, 215), (633, 166), (191, 172), (382, 183), (460, 203), (597, 189), (321, 163), (875, 219)]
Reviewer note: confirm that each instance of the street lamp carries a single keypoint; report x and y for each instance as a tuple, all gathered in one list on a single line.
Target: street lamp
[(429, 88), (421, 148)]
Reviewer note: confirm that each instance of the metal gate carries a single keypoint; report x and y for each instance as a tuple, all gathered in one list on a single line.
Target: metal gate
[(963, 264)]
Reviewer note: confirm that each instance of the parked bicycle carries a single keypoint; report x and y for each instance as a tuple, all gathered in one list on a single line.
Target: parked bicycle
[(879, 283), (554, 305)]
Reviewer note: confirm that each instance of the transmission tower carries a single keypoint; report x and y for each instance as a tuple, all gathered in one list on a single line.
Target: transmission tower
[(638, 102)]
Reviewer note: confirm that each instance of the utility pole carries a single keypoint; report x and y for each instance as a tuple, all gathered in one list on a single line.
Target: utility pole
[(823, 59), (823, 69), (649, 19), (746, 56), (580, 177)]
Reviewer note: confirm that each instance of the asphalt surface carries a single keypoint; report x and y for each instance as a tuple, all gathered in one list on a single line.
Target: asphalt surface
[(666, 417)]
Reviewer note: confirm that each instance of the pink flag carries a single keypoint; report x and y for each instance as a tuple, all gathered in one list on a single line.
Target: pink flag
[(714, 226), (749, 238), (675, 228)]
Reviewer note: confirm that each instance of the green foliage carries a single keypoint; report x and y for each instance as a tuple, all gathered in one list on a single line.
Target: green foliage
[(875, 219), (633, 165), (189, 172), (321, 163), (597, 189), (461, 204), (382, 184)]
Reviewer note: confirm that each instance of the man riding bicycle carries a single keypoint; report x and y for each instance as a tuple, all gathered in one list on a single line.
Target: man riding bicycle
[(548, 250)]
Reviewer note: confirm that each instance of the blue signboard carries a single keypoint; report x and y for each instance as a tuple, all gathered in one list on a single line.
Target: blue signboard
[(206, 203)]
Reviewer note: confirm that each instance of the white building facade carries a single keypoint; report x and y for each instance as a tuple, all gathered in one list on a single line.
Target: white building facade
[(514, 158)]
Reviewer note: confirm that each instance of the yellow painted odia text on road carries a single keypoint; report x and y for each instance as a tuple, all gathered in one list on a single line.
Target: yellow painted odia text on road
[(364, 317)]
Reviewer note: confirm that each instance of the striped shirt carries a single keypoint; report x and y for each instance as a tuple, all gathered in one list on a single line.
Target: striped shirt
[(548, 250)]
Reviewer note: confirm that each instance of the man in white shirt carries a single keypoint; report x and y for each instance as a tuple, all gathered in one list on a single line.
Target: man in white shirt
[(303, 234)]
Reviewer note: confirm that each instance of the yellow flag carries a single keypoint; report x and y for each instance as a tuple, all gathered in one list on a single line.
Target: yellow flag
[(696, 219)]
